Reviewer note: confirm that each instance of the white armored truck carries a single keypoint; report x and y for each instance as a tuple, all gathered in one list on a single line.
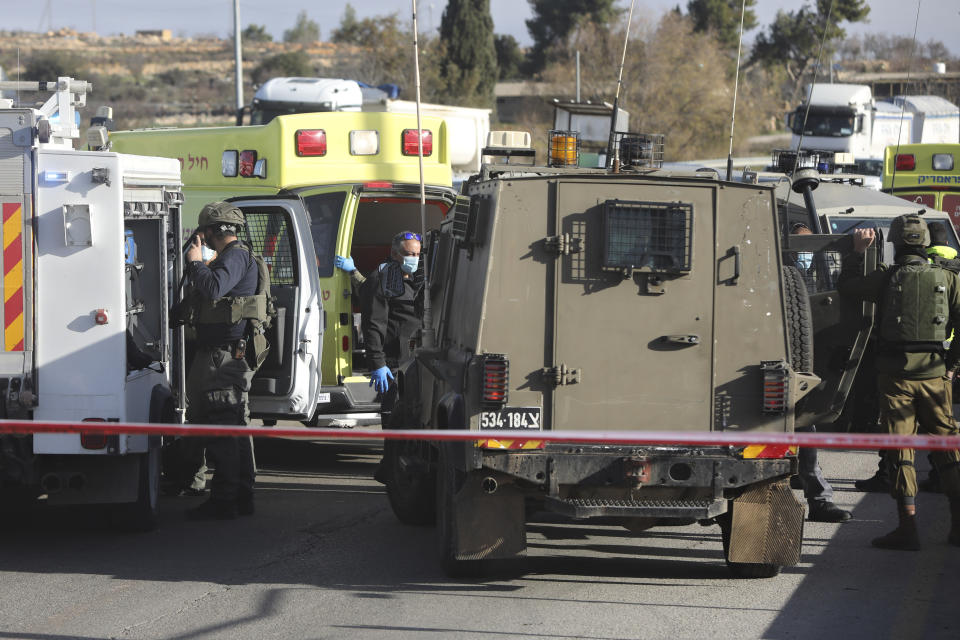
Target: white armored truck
[(90, 262)]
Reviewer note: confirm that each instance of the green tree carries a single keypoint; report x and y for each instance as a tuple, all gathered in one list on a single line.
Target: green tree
[(304, 31), (793, 39), (291, 63), (509, 57), (50, 65), (469, 68), (722, 17), (349, 30), (255, 33), (554, 20)]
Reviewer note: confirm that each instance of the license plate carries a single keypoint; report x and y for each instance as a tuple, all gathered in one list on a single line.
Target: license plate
[(518, 418)]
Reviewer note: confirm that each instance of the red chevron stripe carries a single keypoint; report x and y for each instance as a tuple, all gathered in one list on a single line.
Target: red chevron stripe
[(13, 308), (12, 255), (9, 209)]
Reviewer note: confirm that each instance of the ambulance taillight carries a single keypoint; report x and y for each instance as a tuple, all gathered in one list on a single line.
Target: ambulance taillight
[(943, 162), (311, 142), (410, 146), (364, 142)]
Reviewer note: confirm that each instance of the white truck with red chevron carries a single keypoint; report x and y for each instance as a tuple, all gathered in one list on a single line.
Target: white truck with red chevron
[(90, 264)]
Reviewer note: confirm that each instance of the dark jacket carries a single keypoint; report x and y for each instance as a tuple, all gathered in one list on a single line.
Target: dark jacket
[(232, 273), (390, 319)]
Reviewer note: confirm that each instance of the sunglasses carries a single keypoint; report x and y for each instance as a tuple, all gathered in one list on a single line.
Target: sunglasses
[(412, 236)]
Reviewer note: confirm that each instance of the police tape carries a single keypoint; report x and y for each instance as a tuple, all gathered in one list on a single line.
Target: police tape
[(854, 441)]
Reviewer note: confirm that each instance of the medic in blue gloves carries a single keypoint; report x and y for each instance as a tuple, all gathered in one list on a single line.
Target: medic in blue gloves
[(391, 304)]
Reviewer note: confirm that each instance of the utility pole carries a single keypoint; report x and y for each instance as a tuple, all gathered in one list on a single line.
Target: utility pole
[(238, 58)]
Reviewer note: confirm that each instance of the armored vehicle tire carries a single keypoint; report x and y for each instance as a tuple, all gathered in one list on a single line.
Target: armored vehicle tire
[(411, 484), (743, 569), (144, 514), (799, 320)]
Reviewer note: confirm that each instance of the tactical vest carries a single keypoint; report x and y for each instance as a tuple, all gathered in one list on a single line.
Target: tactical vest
[(914, 313), (258, 309)]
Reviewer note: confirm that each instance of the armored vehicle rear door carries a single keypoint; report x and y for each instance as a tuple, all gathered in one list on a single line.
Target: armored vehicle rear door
[(633, 307)]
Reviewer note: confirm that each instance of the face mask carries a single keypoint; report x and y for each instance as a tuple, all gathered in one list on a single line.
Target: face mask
[(206, 253), (410, 264)]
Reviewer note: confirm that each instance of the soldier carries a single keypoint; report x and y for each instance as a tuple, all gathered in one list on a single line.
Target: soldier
[(918, 304), (391, 304), (234, 285)]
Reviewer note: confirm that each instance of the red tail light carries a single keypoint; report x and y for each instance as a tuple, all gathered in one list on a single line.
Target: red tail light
[(775, 392), (311, 142), (410, 147), (495, 369), (906, 162), (247, 161), (378, 185), (93, 441), (346, 343)]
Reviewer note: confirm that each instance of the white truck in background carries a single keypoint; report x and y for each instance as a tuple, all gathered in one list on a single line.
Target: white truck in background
[(91, 263), (467, 127), (846, 118)]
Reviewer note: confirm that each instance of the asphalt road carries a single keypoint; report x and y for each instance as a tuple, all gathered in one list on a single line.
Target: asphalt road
[(324, 558)]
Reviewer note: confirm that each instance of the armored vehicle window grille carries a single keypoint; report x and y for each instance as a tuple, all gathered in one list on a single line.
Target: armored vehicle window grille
[(268, 232), (647, 236)]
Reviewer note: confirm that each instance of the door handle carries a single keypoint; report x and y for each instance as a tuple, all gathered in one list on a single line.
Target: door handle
[(688, 339), (736, 265)]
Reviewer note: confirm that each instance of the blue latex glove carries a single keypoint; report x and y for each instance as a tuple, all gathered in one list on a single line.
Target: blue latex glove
[(344, 263), (380, 379)]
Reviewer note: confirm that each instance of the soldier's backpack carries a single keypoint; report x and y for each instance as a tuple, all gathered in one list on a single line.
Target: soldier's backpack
[(914, 315)]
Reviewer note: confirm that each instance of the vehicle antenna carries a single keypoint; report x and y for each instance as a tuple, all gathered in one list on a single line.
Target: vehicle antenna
[(736, 86), (613, 154), (814, 220), (426, 332), (903, 104)]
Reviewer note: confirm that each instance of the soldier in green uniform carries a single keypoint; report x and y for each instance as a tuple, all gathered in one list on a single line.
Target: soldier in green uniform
[(918, 305), (227, 305)]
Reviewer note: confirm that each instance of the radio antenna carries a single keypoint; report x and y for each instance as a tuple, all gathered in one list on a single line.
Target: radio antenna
[(736, 86), (903, 104), (613, 154), (426, 329)]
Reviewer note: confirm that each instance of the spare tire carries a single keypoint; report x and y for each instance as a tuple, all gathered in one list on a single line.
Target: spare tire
[(799, 320)]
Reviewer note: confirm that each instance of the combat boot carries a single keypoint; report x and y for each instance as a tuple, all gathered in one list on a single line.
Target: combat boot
[(954, 537), (905, 536)]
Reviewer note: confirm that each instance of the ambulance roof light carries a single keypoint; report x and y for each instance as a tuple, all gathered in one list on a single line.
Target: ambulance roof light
[(906, 162), (311, 142), (409, 144), (364, 142), (943, 162), (228, 163)]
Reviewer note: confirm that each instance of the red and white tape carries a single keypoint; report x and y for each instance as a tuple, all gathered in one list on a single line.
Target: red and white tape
[(859, 441)]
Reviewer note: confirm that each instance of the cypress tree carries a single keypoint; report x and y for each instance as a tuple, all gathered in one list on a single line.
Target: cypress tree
[(469, 67)]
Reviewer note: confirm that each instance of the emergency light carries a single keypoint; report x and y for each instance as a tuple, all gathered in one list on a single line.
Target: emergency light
[(364, 143), (228, 164), (906, 162), (56, 177), (564, 148), (248, 159), (311, 142), (409, 142), (943, 162)]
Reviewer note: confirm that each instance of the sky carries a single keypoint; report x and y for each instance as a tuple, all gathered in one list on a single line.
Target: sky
[(938, 19)]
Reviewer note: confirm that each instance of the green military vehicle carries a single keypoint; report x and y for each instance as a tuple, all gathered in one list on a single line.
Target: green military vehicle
[(575, 299)]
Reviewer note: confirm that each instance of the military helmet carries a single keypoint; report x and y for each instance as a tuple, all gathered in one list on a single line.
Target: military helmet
[(220, 213), (909, 230)]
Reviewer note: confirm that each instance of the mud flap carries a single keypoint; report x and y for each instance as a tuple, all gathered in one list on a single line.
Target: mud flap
[(488, 526), (767, 525)]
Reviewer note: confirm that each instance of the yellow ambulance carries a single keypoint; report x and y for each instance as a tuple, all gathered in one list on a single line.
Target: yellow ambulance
[(313, 186), (927, 174)]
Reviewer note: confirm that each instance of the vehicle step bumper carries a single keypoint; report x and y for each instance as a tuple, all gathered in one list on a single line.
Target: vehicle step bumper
[(654, 508)]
